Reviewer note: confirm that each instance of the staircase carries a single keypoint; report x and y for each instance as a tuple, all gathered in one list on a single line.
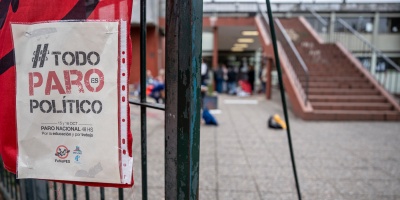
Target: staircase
[(339, 88)]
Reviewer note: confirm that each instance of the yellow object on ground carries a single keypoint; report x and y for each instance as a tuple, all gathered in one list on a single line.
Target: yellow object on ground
[(280, 121)]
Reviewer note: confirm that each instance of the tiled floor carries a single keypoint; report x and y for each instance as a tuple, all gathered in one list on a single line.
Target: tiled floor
[(243, 159)]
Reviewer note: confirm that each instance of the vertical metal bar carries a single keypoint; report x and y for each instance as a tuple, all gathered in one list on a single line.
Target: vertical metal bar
[(120, 194), (396, 74), (64, 191), (307, 83), (87, 195), (12, 182), (278, 66), (102, 193), (74, 192), (1, 172), (55, 192), (8, 181), (143, 119), (16, 187), (182, 116), (47, 189), (3, 177)]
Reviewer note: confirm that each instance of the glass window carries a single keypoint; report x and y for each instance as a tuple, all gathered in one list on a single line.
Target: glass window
[(317, 25), (394, 25), (383, 25), (360, 24), (381, 65), (389, 25)]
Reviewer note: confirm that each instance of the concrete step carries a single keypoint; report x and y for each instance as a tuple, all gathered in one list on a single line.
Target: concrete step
[(336, 75), (333, 79), (346, 98), (342, 115), (338, 85), (331, 70), (332, 74), (351, 106), (335, 91)]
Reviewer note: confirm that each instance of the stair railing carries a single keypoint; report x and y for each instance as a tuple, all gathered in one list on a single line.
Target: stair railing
[(381, 67), (321, 24), (297, 66)]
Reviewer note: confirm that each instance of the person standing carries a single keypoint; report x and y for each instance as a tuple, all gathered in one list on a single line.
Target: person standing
[(251, 77), (263, 78), (225, 78), (204, 72), (232, 78), (204, 79), (218, 79)]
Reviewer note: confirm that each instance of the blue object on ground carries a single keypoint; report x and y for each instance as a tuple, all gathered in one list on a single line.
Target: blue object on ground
[(208, 118)]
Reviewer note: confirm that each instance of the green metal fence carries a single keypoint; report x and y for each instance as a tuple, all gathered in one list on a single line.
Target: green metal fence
[(182, 129), (182, 115)]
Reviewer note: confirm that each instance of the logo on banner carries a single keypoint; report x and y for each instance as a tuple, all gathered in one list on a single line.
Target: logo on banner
[(77, 150), (62, 152), (77, 159)]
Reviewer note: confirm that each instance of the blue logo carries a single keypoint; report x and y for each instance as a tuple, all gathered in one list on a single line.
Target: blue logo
[(77, 157), (77, 150)]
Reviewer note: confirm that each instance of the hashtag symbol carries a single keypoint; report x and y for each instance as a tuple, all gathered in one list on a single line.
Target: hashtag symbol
[(37, 55)]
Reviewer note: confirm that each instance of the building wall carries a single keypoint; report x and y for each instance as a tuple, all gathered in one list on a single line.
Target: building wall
[(152, 47)]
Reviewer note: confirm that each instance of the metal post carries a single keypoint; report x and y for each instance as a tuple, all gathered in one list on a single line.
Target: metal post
[(374, 43), (55, 191), (182, 115), (87, 193), (74, 195), (215, 48), (64, 191), (102, 195), (332, 27), (283, 98), (120, 194), (143, 119), (373, 62)]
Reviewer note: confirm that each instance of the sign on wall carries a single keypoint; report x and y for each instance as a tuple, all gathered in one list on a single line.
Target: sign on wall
[(72, 101)]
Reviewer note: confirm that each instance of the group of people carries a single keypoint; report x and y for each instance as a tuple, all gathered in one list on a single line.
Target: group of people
[(231, 80), (227, 79), (155, 86)]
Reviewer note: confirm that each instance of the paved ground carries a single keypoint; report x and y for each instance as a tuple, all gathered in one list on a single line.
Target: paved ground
[(243, 159)]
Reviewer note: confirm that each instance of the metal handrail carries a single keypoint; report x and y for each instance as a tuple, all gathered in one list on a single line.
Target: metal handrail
[(385, 80), (296, 53), (298, 57), (318, 17), (365, 41)]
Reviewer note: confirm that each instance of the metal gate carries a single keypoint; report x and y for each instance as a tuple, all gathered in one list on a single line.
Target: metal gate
[(182, 114)]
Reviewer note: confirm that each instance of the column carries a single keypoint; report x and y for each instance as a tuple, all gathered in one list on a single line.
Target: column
[(374, 42), (215, 48), (332, 27)]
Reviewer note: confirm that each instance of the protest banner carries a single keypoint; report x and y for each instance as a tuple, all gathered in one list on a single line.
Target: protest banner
[(71, 100)]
